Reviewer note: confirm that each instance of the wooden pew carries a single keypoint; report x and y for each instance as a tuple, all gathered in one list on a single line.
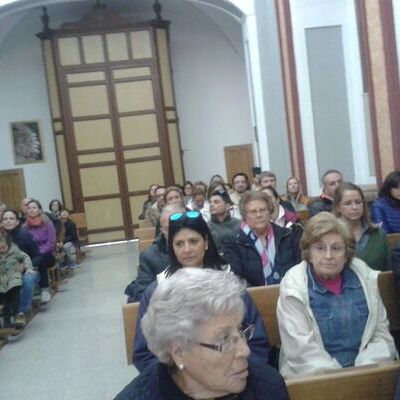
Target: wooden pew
[(81, 226), (376, 382), (265, 298), (304, 216), (389, 296), (393, 239), (129, 314), (145, 233)]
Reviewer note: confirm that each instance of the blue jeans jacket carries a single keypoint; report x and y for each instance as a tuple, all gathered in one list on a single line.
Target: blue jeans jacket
[(259, 345), (341, 318)]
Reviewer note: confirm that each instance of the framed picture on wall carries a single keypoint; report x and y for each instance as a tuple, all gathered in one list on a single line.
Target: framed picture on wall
[(26, 138)]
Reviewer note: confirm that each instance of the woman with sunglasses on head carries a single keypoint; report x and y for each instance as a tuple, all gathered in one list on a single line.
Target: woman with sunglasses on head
[(330, 313), (194, 326), (191, 245), (372, 245)]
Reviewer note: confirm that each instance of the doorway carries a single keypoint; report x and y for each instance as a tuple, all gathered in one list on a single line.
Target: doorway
[(12, 187), (238, 159)]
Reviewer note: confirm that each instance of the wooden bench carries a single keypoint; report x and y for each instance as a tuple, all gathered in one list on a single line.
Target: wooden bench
[(393, 239), (81, 226), (376, 382), (145, 233), (304, 216), (266, 298)]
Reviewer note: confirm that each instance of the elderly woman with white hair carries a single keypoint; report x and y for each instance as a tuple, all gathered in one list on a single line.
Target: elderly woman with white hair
[(194, 327)]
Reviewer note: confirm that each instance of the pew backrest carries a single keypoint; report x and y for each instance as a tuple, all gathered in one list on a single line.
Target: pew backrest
[(145, 233), (358, 383), (388, 291), (129, 314), (393, 239), (266, 298)]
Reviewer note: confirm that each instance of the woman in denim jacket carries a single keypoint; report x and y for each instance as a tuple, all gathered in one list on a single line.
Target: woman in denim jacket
[(329, 310)]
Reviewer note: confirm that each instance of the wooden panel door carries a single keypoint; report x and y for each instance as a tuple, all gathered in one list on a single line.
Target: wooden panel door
[(12, 187), (115, 127), (238, 159)]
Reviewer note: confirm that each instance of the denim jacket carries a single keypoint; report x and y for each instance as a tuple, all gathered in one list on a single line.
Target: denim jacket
[(303, 350), (341, 318)]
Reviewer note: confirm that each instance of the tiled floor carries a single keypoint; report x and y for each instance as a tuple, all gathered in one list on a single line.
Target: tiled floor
[(74, 348)]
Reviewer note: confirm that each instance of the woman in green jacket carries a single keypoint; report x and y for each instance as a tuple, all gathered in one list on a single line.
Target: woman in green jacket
[(372, 244)]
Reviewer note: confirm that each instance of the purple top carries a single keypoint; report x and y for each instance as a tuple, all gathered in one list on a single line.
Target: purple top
[(45, 235)]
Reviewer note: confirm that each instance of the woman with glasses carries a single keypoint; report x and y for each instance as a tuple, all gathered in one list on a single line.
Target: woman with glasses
[(329, 310), (191, 246), (261, 252), (194, 326), (372, 245)]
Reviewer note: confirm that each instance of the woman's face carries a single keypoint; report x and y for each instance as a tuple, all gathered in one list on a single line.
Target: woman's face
[(395, 192), (211, 373), (33, 210), (174, 197), (55, 206), (293, 186), (328, 256), (351, 207), (9, 221), (188, 190), (257, 215), (152, 190), (189, 247)]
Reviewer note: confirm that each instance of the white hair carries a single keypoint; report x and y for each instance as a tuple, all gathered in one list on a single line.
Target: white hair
[(185, 301)]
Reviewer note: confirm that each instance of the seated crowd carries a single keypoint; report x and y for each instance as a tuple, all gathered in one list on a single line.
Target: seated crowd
[(32, 242), (329, 311)]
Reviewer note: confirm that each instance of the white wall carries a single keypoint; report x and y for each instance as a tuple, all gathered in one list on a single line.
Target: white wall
[(211, 93), (209, 75), (23, 97)]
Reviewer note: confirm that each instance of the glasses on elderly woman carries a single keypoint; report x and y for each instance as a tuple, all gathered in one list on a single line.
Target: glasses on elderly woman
[(230, 341), (322, 249), (188, 214)]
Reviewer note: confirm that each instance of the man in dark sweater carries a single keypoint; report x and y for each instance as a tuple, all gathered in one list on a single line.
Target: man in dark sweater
[(331, 179), (222, 226)]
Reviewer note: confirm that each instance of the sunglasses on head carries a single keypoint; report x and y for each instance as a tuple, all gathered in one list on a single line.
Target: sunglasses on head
[(188, 214)]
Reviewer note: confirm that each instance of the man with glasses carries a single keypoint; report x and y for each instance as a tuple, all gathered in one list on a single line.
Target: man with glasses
[(222, 226), (153, 213)]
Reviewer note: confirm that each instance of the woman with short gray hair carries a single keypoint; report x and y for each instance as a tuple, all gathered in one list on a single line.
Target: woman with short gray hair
[(194, 326)]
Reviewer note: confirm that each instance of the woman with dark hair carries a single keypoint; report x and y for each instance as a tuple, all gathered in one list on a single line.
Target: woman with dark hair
[(39, 225), (188, 191), (149, 202), (385, 211), (372, 245), (55, 208), (26, 243), (191, 245)]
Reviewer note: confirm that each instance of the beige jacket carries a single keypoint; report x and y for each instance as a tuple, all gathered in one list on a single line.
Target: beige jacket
[(302, 350)]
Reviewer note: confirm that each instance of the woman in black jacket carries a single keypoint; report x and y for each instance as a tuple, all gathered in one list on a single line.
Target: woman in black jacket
[(261, 252)]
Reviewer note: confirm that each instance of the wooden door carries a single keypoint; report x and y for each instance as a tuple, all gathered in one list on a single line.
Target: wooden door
[(115, 127), (12, 187), (238, 159)]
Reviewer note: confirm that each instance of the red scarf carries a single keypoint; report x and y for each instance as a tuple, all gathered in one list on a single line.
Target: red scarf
[(34, 221)]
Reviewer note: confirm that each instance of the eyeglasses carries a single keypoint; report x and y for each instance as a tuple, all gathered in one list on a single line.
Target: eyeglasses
[(188, 214), (322, 249), (230, 341), (255, 213)]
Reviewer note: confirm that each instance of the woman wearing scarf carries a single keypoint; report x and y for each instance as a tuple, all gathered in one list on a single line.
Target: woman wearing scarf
[(42, 229)]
